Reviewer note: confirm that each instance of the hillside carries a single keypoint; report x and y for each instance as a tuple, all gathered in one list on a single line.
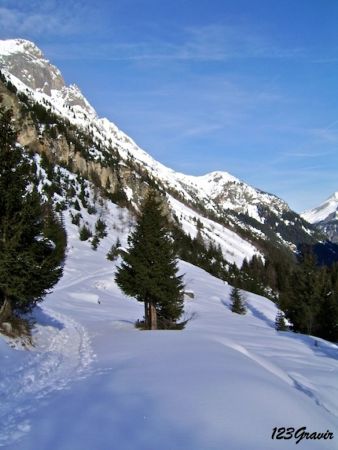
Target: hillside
[(58, 121), (93, 381)]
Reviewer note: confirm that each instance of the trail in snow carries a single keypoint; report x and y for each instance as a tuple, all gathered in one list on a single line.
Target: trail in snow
[(61, 354)]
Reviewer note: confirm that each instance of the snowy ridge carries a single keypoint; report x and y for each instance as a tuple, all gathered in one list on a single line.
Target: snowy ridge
[(11, 47), (325, 217), (327, 210)]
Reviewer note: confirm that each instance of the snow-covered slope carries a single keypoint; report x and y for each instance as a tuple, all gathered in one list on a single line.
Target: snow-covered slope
[(327, 210), (231, 193), (94, 382), (325, 217), (219, 193)]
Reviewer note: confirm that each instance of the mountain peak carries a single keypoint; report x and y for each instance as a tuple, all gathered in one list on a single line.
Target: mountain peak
[(219, 176), (324, 211), (13, 46), (25, 61)]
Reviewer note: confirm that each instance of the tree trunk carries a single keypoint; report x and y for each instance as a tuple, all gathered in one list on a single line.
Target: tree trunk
[(5, 310), (153, 317), (146, 316)]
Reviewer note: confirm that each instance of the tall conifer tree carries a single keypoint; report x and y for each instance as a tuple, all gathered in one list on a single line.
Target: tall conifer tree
[(301, 302), (30, 263), (149, 269)]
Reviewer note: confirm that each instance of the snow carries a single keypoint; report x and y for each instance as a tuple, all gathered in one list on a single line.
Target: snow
[(93, 381), (12, 46), (233, 247), (211, 181), (323, 211)]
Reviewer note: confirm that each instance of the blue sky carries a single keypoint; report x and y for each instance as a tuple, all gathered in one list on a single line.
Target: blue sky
[(245, 86)]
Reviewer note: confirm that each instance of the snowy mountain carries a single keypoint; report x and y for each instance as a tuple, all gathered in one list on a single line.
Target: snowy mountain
[(98, 149), (325, 217)]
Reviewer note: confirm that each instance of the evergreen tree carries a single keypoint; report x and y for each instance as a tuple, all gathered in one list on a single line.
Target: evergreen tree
[(280, 324), (114, 250), (327, 320), (100, 228), (85, 233), (95, 242), (30, 262), (237, 303), (301, 301), (149, 269)]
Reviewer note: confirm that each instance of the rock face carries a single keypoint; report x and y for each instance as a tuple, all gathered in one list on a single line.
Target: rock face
[(325, 217), (73, 134), (26, 62)]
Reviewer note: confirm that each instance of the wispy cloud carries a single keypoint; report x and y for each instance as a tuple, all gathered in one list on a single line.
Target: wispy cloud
[(217, 43), (35, 18)]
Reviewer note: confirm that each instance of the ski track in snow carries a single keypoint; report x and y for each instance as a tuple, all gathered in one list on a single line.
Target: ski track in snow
[(52, 365), (306, 387), (298, 381), (64, 284)]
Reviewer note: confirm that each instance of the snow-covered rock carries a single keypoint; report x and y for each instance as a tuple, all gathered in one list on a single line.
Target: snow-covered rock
[(326, 211), (325, 217)]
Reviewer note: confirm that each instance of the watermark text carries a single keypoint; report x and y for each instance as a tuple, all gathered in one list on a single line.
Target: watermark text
[(300, 434)]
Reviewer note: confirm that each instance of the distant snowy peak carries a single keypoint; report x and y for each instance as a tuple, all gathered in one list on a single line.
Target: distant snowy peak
[(212, 182), (324, 212), (325, 217), (229, 192)]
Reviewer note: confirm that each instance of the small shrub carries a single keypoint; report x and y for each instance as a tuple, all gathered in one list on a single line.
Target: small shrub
[(100, 228), (85, 233), (76, 218), (95, 242), (77, 205), (61, 206), (91, 209), (114, 251), (280, 324)]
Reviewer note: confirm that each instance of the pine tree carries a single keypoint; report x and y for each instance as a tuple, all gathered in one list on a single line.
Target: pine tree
[(100, 228), (280, 324), (114, 250), (327, 319), (237, 303), (30, 262), (85, 233), (149, 269), (301, 301)]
